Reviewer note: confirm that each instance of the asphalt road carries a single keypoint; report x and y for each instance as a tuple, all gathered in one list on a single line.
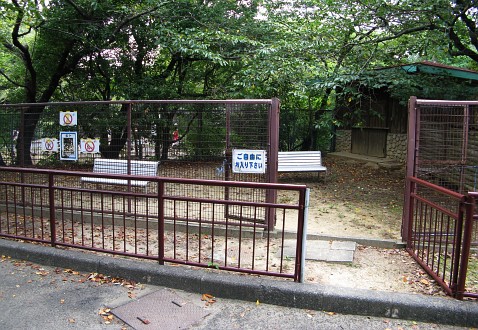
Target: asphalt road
[(33, 296)]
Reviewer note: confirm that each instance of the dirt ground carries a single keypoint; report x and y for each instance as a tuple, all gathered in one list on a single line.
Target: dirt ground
[(354, 199), (361, 200), (357, 199)]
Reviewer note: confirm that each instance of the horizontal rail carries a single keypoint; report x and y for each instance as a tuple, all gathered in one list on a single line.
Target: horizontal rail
[(436, 240), (166, 225), (437, 188), (231, 101), (444, 102), (223, 183)]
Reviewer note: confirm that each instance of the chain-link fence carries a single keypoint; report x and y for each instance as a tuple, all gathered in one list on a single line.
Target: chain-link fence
[(234, 140)]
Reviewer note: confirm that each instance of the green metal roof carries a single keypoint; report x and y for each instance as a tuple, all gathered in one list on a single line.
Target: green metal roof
[(440, 70)]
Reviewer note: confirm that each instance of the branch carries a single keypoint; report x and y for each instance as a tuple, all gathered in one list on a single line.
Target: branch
[(462, 49), (78, 9), (127, 20), (4, 75), (427, 27), (25, 54)]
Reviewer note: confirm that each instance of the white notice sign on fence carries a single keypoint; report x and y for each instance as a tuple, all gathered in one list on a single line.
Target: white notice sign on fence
[(248, 161)]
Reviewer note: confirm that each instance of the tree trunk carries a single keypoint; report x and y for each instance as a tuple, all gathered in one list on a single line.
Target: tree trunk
[(29, 120)]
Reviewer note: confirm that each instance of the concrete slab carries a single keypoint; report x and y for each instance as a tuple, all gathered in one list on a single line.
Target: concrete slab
[(343, 245), (317, 254), (320, 250), (340, 256)]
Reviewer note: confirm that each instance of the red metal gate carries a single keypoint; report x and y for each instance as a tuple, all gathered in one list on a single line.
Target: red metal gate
[(179, 221), (439, 222)]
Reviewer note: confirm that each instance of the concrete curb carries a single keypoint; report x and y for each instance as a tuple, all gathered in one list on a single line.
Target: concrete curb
[(250, 288)]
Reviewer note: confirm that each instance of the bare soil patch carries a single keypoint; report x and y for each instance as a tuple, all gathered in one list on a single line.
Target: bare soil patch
[(361, 200), (354, 199)]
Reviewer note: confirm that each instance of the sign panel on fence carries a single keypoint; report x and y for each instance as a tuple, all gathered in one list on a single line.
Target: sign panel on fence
[(68, 118), (90, 145), (248, 161), (68, 146), (49, 144)]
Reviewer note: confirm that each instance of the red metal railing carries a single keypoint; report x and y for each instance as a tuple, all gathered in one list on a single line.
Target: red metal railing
[(440, 227), (175, 222)]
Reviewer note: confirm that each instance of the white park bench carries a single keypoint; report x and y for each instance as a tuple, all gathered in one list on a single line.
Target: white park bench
[(300, 161), (120, 166)]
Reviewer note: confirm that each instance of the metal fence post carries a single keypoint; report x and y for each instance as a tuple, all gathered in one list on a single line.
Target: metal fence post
[(411, 146), (303, 246), (271, 194), (51, 199), (161, 222), (466, 245)]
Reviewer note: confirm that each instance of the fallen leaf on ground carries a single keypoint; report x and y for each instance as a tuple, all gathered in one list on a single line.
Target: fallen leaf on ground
[(208, 298), (424, 281)]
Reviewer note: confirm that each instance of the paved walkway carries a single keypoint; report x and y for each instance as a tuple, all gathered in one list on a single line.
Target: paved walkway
[(311, 297), (41, 297)]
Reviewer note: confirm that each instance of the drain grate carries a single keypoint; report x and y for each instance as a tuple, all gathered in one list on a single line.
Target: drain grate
[(162, 309)]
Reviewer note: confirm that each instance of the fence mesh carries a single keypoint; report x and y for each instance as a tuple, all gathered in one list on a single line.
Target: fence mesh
[(447, 148), (188, 139), (442, 175), (447, 141)]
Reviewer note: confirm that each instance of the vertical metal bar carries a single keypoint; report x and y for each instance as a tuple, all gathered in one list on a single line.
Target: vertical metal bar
[(128, 153), (200, 230), (462, 212), (124, 221), (92, 222), (299, 263), (226, 239), (304, 236), (440, 245), (161, 222), (430, 233), (113, 212), (7, 211), (240, 237), (147, 224), (273, 129), (102, 197), (135, 225), (187, 231), (464, 149), (408, 218), (72, 218), (174, 228), (284, 210), (435, 231), (212, 232), (411, 155), (228, 155), (466, 246), (82, 220), (32, 198), (51, 198), (254, 238), (62, 194)]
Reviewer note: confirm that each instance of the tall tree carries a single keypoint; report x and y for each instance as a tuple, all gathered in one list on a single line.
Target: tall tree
[(48, 39)]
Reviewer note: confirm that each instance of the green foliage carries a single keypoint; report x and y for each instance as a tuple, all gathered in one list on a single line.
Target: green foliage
[(306, 52), (206, 137)]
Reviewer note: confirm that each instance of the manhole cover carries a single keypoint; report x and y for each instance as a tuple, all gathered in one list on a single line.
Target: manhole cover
[(162, 309)]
